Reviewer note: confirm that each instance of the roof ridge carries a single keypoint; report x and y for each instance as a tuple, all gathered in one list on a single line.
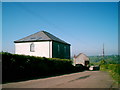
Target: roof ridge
[(46, 34), (50, 34)]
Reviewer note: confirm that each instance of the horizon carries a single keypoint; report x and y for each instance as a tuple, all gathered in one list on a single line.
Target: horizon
[(85, 25)]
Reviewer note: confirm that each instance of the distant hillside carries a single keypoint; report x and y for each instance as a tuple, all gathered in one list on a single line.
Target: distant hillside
[(110, 59)]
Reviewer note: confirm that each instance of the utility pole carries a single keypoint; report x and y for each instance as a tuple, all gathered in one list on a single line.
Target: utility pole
[(103, 50)]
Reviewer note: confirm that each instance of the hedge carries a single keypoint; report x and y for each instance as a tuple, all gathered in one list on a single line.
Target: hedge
[(20, 67), (113, 69)]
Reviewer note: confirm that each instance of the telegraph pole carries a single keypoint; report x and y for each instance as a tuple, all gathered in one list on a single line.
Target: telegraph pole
[(103, 50)]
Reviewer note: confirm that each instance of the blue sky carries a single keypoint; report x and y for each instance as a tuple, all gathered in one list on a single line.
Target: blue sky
[(85, 25)]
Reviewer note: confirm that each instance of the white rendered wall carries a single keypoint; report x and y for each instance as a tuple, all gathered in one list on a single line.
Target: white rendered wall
[(81, 59), (42, 49)]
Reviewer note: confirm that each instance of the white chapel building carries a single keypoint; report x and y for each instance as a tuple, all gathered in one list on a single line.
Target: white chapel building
[(43, 44)]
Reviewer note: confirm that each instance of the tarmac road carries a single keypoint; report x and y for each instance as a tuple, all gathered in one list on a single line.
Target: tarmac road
[(86, 79)]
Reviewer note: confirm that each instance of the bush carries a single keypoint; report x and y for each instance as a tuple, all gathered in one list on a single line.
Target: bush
[(20, 67)]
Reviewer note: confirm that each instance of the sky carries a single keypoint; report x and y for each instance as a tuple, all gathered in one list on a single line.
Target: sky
[(60, 0), (85, 25)]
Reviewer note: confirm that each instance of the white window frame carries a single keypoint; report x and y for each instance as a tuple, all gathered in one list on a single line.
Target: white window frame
[(32, 47)]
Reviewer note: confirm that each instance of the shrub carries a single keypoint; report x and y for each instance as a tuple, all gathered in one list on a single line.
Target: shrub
[(21, 67)]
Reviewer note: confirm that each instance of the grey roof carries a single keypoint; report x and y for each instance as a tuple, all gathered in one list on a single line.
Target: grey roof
[(40, 36), (83, 56)]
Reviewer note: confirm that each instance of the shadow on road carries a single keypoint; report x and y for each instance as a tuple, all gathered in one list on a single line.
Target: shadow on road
[(80, 78), (83, 77)]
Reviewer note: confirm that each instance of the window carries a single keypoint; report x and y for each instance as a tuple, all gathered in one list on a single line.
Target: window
[(58, 48), (32, 47), (65, 49)]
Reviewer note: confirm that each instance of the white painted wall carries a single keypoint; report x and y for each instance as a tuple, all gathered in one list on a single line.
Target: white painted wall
[(42, 49), (81, 59)]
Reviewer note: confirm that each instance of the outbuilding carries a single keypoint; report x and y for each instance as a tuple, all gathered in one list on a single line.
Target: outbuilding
[(81, 59)]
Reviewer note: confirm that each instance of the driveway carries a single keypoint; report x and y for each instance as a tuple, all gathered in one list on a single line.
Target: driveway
[(86, 79)]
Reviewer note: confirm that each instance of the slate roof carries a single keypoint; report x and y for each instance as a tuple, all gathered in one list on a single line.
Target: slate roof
[(85, 56), (40, 36)]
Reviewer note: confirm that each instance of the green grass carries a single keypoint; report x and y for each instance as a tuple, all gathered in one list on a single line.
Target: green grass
[(113, 69)]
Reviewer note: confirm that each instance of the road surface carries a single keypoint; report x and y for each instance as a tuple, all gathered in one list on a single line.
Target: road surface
[(86, 79)]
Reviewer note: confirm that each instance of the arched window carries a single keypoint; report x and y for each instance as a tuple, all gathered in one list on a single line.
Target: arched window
[(32, 47)]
